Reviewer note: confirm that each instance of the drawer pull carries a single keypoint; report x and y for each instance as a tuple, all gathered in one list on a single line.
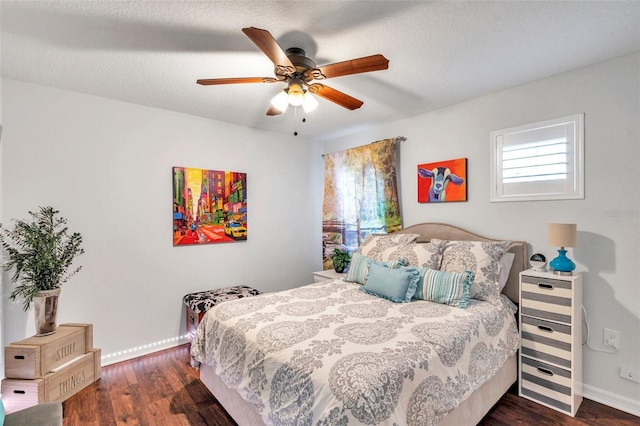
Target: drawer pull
[(545, 371), (545, 328), (545, 286), (19, 392), (19, 356)]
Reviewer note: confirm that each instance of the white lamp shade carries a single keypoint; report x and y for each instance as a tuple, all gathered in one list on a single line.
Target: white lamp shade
[(280, 101), (562, 234), (310, 103), (296, 94)]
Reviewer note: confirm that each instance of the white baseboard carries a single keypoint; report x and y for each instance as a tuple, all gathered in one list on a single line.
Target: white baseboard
[(631, 406)]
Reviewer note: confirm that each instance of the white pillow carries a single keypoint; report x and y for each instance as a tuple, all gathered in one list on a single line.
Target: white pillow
[(426, 255), (481, 257), (375, 245)]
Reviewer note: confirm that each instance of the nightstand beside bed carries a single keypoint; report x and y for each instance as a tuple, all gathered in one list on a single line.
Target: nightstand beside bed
[(551, 339), (327, 275)]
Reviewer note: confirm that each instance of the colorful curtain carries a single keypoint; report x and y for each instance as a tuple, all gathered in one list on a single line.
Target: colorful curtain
[(360, 196)]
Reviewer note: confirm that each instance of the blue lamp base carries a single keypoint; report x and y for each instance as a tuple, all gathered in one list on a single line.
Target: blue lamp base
[(562, 265)]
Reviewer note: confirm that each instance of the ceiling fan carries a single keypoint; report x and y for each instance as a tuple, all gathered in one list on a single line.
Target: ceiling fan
[(300, 72)]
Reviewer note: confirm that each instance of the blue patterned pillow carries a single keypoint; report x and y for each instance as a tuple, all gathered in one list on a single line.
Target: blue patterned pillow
[(449, 288), (359, 267), (397, 285)]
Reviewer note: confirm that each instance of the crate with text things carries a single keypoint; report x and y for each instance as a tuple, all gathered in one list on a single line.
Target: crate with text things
[(57, 385), (49, 368)]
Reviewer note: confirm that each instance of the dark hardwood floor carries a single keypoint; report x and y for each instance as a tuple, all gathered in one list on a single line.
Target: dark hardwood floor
[(162, 389)]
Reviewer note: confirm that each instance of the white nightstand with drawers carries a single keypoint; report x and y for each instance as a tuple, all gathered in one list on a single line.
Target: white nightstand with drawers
[(327, 275), (551, 340)]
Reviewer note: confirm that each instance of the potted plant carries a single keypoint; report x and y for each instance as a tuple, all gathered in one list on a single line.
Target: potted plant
[(40, 253), (341, 259)]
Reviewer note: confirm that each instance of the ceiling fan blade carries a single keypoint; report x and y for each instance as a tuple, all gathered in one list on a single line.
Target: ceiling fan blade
[(273, 110), (355, 66), (335, 96), (212, 81), (270, 47)]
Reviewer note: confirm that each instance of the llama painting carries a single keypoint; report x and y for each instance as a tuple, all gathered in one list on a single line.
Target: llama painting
[(442, 181)]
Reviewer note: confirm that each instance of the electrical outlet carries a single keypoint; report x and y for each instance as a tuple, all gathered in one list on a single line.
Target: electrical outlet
[(630, 374), (612, 338)]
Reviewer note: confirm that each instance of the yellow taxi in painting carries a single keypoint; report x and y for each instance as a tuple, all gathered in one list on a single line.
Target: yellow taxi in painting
[(235, 230)]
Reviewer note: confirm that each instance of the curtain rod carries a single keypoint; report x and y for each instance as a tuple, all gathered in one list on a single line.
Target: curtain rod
[(397, 138)]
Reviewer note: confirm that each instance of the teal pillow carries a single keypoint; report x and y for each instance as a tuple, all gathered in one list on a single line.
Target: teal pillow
[(397, 285), (449, 288), (1, 413), (359, 267)]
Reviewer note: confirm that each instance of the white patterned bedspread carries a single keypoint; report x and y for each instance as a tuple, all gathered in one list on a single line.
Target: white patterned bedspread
[(329, 354)]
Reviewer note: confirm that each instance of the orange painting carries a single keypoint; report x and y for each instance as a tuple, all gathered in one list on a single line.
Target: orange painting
[(442, 181)]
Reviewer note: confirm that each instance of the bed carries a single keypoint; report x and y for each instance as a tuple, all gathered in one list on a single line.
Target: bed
[(330, 353)]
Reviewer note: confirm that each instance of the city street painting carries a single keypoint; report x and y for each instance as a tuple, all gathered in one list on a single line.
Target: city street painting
[(209, 206)]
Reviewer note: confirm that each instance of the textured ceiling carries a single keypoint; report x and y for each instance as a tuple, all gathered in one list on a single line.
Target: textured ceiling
[(152, 52)]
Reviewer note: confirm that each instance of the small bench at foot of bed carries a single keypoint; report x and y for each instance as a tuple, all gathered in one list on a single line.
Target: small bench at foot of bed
[(198, 303)]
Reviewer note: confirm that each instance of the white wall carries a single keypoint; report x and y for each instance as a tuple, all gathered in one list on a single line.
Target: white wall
[(106, 165), (608, 219)]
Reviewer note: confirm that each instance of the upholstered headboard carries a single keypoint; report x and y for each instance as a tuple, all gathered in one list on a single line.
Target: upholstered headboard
[(443, 231)]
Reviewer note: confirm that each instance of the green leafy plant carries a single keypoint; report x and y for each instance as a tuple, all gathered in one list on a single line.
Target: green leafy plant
[(341, 259), (40, 253)]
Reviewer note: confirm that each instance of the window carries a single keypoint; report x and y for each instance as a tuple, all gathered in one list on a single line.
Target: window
[(538, 161)]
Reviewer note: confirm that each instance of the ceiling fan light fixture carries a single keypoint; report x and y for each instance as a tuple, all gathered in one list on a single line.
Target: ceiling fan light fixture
[(296, 94), (280, 101), (310, 103)]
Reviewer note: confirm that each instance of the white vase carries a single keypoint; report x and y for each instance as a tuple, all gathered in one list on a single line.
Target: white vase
[(46, 310)]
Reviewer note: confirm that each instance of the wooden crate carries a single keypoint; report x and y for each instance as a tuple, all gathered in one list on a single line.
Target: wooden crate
[(35, 356), (18, 394), (58, 385), (88, 333)]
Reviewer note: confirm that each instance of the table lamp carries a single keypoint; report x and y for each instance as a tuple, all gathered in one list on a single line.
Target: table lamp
[(562, 235)]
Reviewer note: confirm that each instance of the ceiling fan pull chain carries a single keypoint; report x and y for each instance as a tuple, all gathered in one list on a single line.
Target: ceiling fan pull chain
[(295, 121)]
